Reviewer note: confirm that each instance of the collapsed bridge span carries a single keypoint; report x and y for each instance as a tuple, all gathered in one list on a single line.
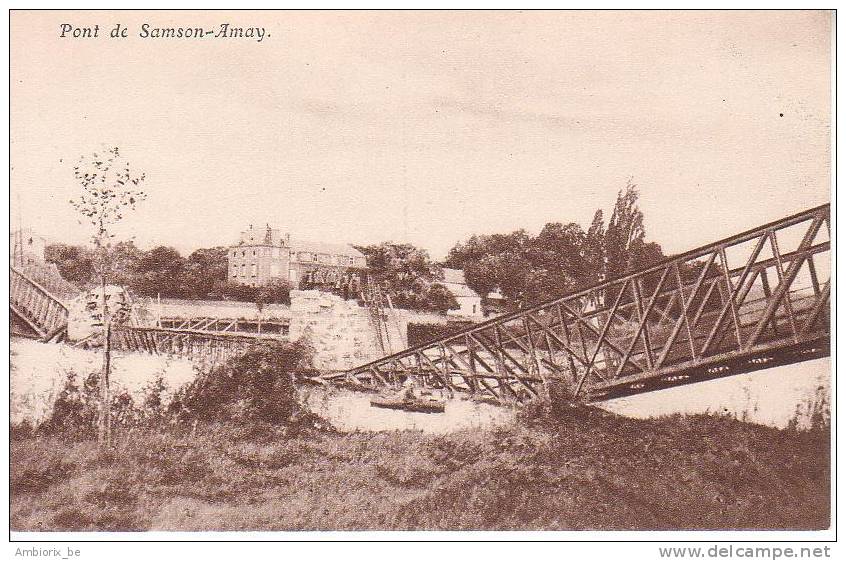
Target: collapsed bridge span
[(755, 300)]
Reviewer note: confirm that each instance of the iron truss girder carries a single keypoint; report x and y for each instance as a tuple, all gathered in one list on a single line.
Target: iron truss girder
[(755, 300)]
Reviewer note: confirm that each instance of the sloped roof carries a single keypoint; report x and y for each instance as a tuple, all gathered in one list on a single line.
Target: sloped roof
[(324, 247), (454, 276), (455, 283), (275, 237), (459, 290)]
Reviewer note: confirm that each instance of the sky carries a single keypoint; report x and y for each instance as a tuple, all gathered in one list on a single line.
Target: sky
[(426, 127)]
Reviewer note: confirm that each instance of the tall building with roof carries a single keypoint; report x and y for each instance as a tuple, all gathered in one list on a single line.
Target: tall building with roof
[(264, 254)]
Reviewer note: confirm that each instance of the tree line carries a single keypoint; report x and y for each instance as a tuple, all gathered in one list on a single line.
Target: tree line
[(404, 272), (521, 267), (562, 258), (163, 271)]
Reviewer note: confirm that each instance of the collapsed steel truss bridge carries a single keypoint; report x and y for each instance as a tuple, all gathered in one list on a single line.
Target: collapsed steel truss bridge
[(755, 300)]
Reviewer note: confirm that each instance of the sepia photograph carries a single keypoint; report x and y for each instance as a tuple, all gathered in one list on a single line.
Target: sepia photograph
[(288, 272)]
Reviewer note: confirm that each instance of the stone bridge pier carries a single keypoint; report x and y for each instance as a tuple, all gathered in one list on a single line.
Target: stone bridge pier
[(341, 331)]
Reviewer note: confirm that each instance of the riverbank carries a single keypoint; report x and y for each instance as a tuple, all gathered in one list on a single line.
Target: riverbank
[(574, 469)]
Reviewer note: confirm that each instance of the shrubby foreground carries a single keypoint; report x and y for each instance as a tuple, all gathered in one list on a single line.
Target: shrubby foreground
[(253, 459)]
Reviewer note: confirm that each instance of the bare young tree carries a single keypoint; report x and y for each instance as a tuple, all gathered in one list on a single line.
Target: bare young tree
[(109, 190)]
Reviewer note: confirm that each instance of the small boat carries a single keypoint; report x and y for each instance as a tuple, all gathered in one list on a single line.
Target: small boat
[(413, 405)]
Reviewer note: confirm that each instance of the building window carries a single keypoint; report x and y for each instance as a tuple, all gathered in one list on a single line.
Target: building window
[(253, 270)]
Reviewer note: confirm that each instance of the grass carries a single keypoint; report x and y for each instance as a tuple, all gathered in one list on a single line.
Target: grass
[(579, 468)]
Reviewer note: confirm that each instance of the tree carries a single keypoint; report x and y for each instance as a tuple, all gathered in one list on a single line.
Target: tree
[(204, 270), (160, 271), (498, 261), (230, 290), (468, 256), (594, 248), (438, 299), (562, 258), (108, 191), (558, 261), (625, 235), (276, 291), (75, 263), (124, 256), (407, 275)]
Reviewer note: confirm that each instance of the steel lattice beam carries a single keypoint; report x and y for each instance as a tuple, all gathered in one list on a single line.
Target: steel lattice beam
[(754, 300), (43, 310)]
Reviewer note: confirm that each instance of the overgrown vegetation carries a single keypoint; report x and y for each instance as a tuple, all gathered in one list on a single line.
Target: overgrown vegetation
[(254, 387), (235, 451), (568, 469), (257, 386)]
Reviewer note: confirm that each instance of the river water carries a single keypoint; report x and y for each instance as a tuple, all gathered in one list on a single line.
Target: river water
[(774, 397), (351, 411)]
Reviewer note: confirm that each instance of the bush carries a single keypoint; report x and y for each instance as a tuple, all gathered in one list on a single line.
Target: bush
[(40, 475), (21, 431), (277, 291), (255, 389), (255, 386), (75, 410)]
